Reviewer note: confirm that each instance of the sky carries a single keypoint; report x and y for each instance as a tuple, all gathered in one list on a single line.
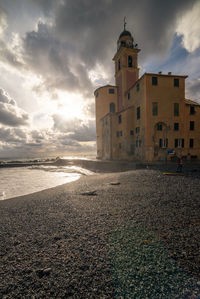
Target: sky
[(55, 53)]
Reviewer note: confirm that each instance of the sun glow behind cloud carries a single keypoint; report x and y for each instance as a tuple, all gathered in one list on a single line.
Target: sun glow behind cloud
[(70, 105)]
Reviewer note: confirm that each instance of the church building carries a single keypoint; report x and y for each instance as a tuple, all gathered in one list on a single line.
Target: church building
[(145, 118)]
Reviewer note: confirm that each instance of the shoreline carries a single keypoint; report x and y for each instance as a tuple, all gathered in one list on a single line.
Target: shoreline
[(63, 241), (107, 166), (101, 166)]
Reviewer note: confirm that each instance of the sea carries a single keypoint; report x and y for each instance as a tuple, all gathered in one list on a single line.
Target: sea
[(17, 181)]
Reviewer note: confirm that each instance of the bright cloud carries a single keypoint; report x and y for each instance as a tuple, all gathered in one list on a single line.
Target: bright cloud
[(189, 27), (10, 114)]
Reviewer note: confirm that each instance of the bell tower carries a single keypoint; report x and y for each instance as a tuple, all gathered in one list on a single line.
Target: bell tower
[(126, 64)]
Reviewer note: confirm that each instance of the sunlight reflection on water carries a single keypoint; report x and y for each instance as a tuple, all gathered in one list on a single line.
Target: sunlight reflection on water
[(25, 180)]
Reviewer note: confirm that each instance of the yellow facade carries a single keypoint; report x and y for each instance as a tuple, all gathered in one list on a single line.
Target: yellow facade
[(147, 118)]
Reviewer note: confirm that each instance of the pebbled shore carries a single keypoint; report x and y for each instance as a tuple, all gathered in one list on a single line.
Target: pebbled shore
[(134, 234)]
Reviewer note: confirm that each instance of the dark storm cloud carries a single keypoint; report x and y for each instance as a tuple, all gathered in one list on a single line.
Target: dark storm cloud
[(46, 5), (95, 25), (18, 142), (10, 117), (84, 33), (76, 129), (10, 114), (38, 136), (85, 132), (54, 60), (65, 140), (18, 138), (20, 133), (12, 135)]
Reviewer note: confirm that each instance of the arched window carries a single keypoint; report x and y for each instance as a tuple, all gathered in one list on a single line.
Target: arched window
[(112, 107)]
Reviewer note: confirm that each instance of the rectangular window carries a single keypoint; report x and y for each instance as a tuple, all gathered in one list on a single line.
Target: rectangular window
[(111, 90), (131, 132), (192, 110), (119, 119), (154, 80), (155, 108), (119, 66), (165, 142), (159, 127), (120, 133), (178, 142), (138, 87), (129, 96), (120, 145), (138, 112), (132, 149), (176, 126), (112, 107), (191, 143), (138, 143), (130, 61), (191, 125), (176, 109), (137, 130), (176, 82)]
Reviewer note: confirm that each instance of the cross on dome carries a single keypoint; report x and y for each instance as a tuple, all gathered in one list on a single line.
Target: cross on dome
[(124, 23)]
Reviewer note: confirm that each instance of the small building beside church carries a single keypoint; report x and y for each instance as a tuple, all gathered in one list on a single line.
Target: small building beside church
[(145, 118)]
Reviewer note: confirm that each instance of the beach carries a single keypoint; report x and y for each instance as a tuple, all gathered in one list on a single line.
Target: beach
[(130, 234)]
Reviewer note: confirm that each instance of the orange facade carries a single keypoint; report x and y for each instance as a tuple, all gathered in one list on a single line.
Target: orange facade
[(146, 118)]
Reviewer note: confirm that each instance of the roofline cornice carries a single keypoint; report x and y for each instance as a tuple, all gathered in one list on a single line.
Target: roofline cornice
[(105, 86)]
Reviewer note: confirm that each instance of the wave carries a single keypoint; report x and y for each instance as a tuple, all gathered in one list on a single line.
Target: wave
[(65, 169), (2, 195), (16, 181)]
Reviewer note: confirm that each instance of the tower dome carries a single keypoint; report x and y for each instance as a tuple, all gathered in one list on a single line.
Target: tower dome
[(125, 39), (125, 33)]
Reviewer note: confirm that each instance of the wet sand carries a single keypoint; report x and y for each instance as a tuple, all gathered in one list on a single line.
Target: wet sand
[(131, 234)]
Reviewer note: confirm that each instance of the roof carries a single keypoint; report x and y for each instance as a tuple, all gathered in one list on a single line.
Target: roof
[(136, 50), (164, 75), (190, 102), (157, 74), (105, 86)]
